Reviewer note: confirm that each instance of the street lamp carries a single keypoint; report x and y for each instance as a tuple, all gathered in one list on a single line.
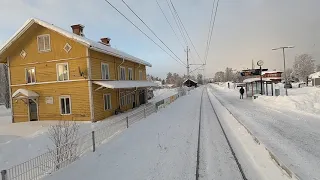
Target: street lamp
[(284, 65)]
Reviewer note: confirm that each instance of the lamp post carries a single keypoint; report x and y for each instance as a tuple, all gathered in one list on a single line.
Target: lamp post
[(260, 64), (284, 65)]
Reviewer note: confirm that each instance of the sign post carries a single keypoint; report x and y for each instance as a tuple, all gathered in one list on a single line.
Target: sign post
[(260, 63)]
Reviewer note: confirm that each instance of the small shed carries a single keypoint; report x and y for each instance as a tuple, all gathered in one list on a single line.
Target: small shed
[(190, 83)]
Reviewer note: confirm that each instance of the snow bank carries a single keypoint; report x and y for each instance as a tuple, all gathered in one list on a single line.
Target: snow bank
[(5, 115), (301, 99), (254, 158), (223, 86), (160, 94)]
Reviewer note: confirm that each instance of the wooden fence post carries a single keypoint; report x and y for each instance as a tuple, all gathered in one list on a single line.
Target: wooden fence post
[(144, 112), (127, 119), (4, 175), (93, 142)]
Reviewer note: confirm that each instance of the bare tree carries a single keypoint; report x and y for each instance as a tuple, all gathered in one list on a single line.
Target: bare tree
[(64, 135), (303, 66), (228, 75)]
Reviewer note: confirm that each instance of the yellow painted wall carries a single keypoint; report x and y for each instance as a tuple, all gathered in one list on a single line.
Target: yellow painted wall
[(97, 58), (42, 61), (78, 92)]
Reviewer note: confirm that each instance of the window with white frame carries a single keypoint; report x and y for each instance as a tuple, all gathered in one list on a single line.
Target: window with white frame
[(128, 97), (65, 105), (122, 73), (30, 75), (122, 99), (140, 75), (130, 74), (62, 72), (107, 101), (44, 43), (105, 71)]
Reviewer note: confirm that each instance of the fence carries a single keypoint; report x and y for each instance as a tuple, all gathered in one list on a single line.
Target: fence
[(66, 154)]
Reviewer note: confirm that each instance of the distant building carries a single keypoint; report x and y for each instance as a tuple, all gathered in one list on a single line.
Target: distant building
[(190, 83), (315, 78)]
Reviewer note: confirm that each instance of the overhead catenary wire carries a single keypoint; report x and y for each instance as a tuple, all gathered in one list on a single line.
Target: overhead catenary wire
[(175, 20), (209, 32), (169, 24), (145, 34), (213, 23), (179, 19), (150, 30)]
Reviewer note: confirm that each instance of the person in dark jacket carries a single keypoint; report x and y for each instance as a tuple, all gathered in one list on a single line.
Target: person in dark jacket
[(241, 92)]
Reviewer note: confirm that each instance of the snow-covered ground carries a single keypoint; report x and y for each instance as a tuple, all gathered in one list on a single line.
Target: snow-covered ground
[(163, 146), (160, 94), (291, 135)]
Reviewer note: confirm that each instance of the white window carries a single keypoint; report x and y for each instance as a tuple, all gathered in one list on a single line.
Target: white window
[(62, 72), (105, 71), (122, 99), (44, 43), (107, 101), (130, 74), (30, 75), (65, 105), (140, 75), (122, 73), (128, 98)]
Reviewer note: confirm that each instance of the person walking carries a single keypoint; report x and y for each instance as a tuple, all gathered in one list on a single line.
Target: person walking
[(241, 92)]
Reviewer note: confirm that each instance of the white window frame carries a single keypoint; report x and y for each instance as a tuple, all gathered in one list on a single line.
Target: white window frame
[(130, 74), (120, 78), (104, 77), (104, 101), (57, 71), (70, 104), (45, 50), (26, 70), (140, 74), (122, 98)]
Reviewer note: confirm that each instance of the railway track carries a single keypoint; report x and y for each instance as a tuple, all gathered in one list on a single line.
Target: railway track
[(220, 129)]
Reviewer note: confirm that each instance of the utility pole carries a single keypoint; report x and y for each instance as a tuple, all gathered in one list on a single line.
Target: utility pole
[(284, 65), (188, 66)]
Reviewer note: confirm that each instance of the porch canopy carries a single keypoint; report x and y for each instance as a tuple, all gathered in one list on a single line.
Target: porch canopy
[(124, 84), (24, 94)]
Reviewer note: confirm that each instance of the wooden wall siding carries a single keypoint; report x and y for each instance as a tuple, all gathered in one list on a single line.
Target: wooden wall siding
[(45, 71), (78, 91), (99, 112), (97, 58)]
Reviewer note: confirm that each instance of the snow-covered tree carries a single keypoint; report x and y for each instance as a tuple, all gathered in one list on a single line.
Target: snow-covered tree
[(228, 75), (4, 86), (219, 76), (303, 66), (289, 74), (318, 68)]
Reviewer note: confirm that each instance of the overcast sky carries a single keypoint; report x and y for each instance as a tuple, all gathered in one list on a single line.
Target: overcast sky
[(244, 30)]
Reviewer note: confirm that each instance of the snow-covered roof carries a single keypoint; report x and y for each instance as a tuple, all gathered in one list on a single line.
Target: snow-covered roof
[(249, 80), (124, 84), (271, 72), (190, 80), (85, 41), (315, 75), (24, 93)]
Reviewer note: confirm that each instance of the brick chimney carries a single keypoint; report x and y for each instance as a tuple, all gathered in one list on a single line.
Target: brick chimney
[(78, 29), (105, 41)]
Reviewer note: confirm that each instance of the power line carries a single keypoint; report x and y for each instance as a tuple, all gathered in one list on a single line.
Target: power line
[(150, 30), (185, 31), (175, 20), (142, 31), (214, 22), (169, 24), (212, 12)]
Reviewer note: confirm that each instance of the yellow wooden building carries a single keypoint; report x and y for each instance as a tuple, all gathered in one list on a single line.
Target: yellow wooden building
[(55, 74)]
